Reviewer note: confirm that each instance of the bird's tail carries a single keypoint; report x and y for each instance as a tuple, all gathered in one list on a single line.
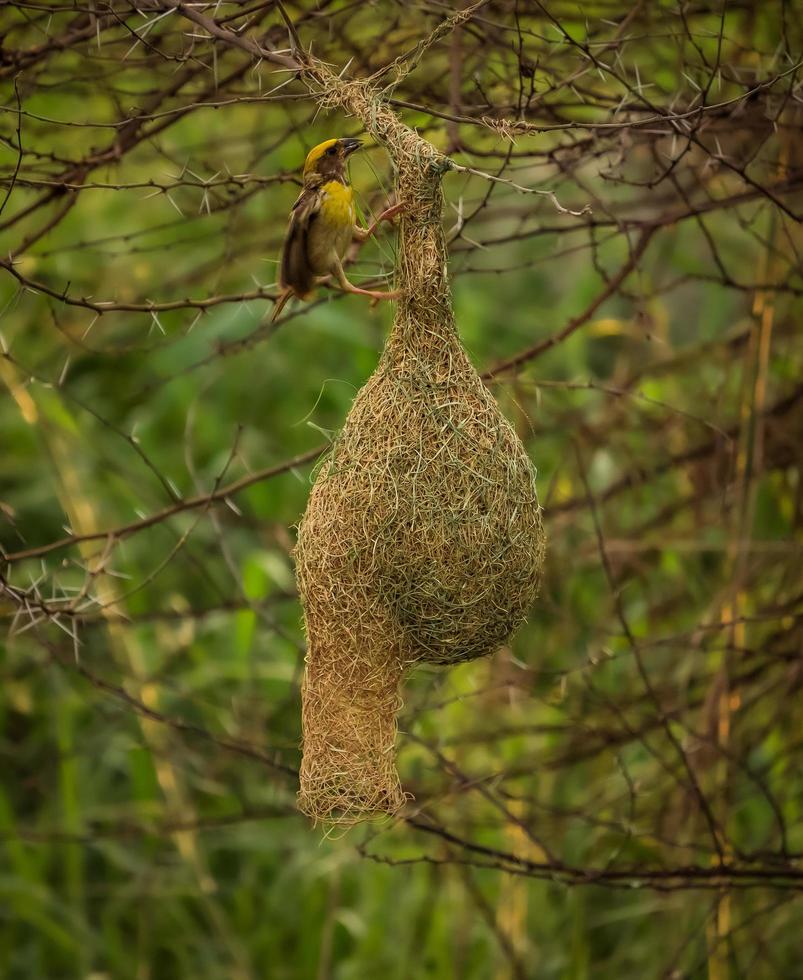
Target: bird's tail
[(285, 295), (280, 304)]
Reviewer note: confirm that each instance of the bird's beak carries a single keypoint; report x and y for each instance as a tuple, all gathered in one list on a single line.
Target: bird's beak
[(350, 145)]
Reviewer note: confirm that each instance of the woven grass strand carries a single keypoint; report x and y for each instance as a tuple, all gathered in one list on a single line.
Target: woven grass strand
[(422, 539)]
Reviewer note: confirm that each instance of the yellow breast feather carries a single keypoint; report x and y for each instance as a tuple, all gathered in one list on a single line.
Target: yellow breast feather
[(337, 203)]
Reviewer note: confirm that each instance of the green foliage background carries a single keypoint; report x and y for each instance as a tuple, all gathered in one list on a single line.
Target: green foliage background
[(148, 826)]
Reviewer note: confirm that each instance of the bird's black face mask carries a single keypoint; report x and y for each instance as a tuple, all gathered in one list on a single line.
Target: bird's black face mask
[(350, 146), (332, 163)]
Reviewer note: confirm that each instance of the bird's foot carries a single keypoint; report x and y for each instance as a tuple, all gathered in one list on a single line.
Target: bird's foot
[(361, 234), (390, 213), (375, 295)]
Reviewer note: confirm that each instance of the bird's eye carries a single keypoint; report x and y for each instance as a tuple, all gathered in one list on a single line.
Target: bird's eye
[(332, 150)]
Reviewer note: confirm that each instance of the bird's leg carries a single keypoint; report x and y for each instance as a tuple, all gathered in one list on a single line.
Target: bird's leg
[(348, 287), (363, 234)]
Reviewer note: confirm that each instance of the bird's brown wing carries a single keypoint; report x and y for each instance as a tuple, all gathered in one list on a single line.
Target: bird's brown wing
[(295, 272)]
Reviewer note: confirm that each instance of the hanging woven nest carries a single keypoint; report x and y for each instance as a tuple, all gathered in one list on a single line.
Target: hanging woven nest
[(422, 539)]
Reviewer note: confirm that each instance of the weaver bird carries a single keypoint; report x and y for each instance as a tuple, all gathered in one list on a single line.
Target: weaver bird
[(323, 223)]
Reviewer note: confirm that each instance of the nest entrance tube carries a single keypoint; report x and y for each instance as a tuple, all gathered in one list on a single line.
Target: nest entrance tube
[(422, 540), (351, 698)]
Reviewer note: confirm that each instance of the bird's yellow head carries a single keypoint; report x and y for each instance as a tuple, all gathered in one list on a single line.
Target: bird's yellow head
[(328, 159)]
